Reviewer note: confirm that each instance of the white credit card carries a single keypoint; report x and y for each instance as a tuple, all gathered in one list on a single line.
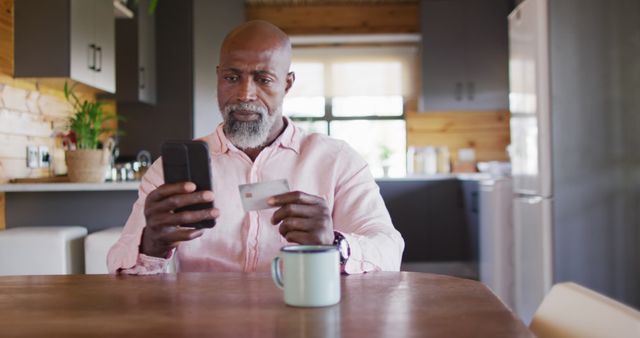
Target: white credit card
[(254, 196)]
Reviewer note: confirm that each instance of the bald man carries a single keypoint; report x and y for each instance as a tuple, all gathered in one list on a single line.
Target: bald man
[(334, 199)]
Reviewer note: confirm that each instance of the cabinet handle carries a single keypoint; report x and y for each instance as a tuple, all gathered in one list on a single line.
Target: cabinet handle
[(471, 91), (99, 52), (458, 91), (91, 57), (141, 79), (475, 202)]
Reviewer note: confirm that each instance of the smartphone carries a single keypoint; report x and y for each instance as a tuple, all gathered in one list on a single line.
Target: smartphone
[(189, 161)]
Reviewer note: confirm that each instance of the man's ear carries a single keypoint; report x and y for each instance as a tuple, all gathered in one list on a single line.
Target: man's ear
[(291, 78)]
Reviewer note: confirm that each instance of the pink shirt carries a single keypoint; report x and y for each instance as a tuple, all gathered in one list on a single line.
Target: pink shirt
[(241, 241)]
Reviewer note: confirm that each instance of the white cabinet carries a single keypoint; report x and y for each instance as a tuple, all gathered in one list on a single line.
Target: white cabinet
[(136, 57), (464, 55), (66, 39)]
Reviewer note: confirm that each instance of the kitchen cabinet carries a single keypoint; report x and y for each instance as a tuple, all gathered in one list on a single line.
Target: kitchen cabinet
[(66, 39), (431, 215), (136, 57), (464, 53)]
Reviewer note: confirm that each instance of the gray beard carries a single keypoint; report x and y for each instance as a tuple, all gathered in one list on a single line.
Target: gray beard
[(247, 134)]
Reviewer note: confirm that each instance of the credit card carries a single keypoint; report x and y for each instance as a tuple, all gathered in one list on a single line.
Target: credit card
[(254, 196)]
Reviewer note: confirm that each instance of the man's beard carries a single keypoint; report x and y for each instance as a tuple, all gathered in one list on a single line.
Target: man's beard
[(247, 134)]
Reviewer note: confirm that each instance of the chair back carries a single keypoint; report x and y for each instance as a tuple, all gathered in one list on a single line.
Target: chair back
[(570, 310)]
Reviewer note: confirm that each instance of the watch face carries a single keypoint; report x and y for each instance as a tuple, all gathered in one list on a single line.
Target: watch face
[(343, 247)]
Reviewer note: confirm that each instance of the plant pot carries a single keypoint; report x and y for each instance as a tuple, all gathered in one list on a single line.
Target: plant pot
[(88, 165)]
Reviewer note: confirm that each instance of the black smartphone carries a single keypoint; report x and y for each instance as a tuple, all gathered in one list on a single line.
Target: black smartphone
[(189, 161)]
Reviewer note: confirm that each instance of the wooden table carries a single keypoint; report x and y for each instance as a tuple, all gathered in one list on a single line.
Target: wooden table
[(381, 304)]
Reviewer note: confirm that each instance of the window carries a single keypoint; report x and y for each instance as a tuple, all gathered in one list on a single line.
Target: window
[(356, 94)]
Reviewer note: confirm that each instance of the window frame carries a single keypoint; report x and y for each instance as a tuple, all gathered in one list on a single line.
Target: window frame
[(328, 116)]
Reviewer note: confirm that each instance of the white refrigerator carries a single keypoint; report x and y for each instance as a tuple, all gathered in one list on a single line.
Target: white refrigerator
[(529, 101)]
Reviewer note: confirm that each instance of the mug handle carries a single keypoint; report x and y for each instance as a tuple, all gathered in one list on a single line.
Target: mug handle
[(276, 272)]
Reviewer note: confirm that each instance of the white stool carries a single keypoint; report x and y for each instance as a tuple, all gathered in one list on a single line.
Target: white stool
[(96, 247), (47, 250)]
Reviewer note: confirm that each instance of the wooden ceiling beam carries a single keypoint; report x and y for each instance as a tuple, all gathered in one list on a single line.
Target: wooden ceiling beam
[(358, 18)]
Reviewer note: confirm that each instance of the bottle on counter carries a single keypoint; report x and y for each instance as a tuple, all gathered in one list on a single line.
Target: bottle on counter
[(444, 160)]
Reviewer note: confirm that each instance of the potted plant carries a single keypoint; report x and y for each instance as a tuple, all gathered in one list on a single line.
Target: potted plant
[(385, 156), (85, 161)]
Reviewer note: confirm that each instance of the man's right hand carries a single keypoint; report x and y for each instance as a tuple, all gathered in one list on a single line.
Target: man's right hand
[(163, 232)]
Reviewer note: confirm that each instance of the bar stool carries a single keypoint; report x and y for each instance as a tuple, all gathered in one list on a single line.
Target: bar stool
[(96, 247), (42, 250)]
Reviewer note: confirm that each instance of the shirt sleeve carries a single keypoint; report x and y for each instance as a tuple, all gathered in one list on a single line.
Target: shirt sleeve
[(147, 265), (359, 213), (124, 256)]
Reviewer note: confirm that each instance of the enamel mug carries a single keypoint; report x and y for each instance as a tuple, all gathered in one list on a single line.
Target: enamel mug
[(309, 275)]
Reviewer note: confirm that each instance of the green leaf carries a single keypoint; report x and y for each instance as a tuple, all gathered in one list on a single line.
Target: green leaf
[(152, 6)]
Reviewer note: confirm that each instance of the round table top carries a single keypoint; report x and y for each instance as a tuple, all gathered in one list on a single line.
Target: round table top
[(378, 304)]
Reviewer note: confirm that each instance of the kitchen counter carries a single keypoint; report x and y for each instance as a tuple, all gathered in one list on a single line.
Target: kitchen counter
[(439, 177), (42, 187)]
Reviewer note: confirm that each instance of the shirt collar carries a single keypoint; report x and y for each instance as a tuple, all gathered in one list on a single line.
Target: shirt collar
[(290, 138)]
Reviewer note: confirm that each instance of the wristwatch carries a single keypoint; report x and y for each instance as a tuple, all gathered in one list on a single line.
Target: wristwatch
[(343, 247)]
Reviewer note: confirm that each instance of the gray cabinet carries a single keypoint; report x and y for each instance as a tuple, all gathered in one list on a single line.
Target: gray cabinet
[(464, 55), (66, 38), (136, 57)]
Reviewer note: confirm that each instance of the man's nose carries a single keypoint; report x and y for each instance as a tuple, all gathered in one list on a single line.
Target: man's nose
[(246, 90)]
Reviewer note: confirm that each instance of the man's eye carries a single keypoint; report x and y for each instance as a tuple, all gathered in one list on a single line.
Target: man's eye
[(264, 80), (231, 78)]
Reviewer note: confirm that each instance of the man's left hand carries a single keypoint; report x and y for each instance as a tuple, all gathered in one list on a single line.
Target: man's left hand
[(306, 219)]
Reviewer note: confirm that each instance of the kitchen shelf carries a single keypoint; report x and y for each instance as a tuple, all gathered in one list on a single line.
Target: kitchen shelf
[(42, 187)]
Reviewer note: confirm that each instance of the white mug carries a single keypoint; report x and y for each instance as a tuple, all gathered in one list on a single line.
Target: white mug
[(311, 276)]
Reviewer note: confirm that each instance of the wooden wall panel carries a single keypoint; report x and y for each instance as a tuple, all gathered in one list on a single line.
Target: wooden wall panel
[(486, 132), (6, 37), (339, 18)]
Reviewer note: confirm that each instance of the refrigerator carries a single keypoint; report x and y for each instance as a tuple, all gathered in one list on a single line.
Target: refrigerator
[(530, 152), (574, 75)]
